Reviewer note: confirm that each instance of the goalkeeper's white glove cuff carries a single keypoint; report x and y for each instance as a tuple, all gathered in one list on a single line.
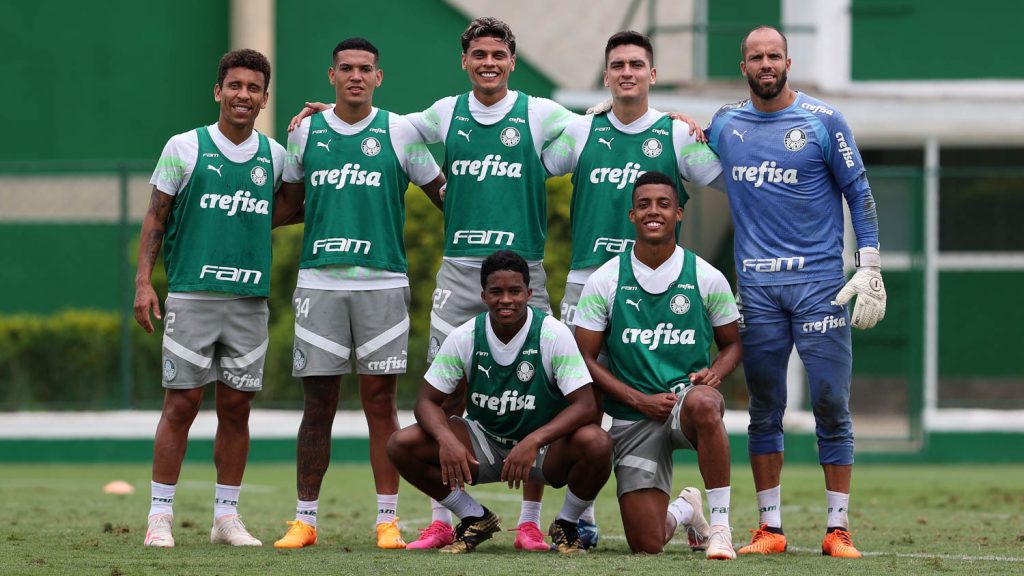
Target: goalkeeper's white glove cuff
[(868, 258)]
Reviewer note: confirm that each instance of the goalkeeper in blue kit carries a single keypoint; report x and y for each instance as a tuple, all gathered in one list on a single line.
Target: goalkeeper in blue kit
[(789, 161)]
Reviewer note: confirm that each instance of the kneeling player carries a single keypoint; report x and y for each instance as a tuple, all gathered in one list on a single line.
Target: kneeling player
[(661, 306), (528, 415)]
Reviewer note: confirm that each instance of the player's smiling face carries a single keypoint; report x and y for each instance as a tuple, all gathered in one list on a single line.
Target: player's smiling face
[(765, 64), (655, 213), (355, 76), (628, 72), (241, 96), (506, 296), (488, 61)]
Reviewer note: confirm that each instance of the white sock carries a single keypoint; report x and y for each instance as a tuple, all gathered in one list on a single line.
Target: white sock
[(387, 507), (438, 513), (225, 500), (305, 511), (573, 507), (681, 512), (588, 514), (838, 504), (718, 503), (529, 511), (769, 505), (462, 504), (162, 498)]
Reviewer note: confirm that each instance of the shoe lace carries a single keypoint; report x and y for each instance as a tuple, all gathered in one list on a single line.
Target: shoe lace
[(465, 530), (721, 538), (436, 528), (844, 537), (296, 527), (566, 533), (162, 521), (760, 534), (530, 530)]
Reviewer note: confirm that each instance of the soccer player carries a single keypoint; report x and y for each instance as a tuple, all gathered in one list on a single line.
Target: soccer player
[(606, 153), (529, 413), (213, 194), (789, 161), (658, 308), (351, 165), (495, 199)]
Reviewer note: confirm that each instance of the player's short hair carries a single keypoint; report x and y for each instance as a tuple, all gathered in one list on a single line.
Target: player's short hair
[(504, 260), (743, 43), (629, 38), (244, 58), (654, 177), (356, 43), (488, 27)]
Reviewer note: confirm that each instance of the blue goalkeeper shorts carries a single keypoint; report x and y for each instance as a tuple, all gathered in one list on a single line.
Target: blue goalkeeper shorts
[(774, 318)]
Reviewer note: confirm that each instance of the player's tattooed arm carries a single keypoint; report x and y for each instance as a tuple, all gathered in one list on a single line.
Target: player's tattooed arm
[(153, 226), (435, 191)]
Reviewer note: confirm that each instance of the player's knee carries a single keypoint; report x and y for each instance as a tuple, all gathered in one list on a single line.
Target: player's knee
[(831, 403), (401, 444), (319, 407), (704, 406), (380, 403), (765, 420), (595, 443), (180, 408), (647, 546), (229, 400), (396, 446), (765, 403)]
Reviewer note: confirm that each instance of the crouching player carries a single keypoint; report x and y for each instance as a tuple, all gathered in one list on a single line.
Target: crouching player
[(529, 413), (661, 307)]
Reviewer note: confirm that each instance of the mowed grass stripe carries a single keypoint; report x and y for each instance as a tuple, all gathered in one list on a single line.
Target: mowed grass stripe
[(54, 519)]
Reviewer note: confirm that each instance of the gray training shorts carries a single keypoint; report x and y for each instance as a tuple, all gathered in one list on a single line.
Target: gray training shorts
[(210, 340), (332, 324), (567, 314), (643, 451), (491, 452), (457, 299)]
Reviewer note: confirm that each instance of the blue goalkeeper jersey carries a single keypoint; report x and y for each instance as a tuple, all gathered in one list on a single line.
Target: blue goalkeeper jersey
[(786, 173)]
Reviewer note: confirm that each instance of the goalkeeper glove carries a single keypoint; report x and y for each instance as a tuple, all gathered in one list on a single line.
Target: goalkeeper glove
[(601, 107), (866, 284)]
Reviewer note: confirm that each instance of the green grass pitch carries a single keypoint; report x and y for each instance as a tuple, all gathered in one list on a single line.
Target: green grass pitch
[(916, 519)]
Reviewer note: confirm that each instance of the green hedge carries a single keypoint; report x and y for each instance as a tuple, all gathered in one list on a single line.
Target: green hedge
[(68, 360)]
